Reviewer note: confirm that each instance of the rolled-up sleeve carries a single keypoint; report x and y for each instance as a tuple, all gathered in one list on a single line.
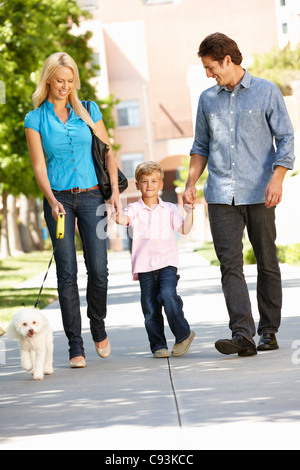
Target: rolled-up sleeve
[(202, 134), (282, 130)]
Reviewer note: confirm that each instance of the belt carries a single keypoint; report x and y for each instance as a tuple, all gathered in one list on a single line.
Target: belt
[(78, 190)]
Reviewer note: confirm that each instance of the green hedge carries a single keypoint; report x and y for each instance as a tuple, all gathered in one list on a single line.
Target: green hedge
[(289, 254)]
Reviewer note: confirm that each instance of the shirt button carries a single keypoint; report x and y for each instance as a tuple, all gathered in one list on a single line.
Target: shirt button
[(231, 130), (231, 112), (233, 95), (232, 146)]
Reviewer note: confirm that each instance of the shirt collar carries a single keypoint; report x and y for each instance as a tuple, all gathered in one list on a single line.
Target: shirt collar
[(245, 83), (50, 106), (160, 204)]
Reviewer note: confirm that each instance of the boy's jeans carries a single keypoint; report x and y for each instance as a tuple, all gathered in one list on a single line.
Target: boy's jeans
[(158, 289), (227, 227), (83, 206)]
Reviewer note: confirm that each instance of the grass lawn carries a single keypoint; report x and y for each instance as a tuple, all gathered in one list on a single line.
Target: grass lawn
[(15, 270)]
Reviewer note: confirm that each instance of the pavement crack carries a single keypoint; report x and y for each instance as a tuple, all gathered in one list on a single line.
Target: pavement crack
[(174, 393)]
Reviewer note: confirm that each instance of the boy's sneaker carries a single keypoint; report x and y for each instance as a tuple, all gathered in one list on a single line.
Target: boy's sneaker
[(161, 353), (180, 349)]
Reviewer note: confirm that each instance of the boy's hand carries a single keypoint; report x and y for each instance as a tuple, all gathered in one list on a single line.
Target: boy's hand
[(189, 207)]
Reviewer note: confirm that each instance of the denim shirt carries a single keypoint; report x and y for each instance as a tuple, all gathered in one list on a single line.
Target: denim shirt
[(244, 134), (68, 147)]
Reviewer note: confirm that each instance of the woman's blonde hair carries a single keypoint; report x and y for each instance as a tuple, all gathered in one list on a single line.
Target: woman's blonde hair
[(52, 63), (147, 168)]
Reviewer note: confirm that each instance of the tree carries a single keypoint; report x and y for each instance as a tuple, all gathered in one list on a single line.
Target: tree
[(31, 30), (279, 66)]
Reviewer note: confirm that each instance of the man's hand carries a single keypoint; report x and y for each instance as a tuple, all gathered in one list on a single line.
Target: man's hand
[(274, 188), (189, 197)]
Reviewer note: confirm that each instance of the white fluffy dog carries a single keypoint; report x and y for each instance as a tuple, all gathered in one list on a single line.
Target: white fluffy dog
[(35, 337)]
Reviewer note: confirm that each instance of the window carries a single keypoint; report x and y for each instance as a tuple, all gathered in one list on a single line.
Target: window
[(129, 163), (282, 3), (88, 4), (285, 28), (129, 114)]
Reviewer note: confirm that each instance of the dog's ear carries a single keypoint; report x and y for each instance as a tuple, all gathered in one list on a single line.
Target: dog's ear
[(11, 331)]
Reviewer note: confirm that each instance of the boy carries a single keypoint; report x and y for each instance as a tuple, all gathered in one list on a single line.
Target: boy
[(155, 260)]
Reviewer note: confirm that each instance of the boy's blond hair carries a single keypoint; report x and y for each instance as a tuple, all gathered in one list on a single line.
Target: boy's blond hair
[(147, 168)]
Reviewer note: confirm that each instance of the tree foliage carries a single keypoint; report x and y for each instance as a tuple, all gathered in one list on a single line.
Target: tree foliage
[(279, 66), (31, 30)]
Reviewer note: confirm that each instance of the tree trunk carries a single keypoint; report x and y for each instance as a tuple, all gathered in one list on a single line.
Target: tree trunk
[(5, 251), (35, 228), (15, 243), (24, 225)]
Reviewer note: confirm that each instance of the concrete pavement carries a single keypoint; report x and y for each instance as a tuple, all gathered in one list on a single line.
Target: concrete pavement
[(131, 402)]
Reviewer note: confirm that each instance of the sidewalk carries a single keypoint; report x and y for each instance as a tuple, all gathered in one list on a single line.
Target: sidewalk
[(130, 401)]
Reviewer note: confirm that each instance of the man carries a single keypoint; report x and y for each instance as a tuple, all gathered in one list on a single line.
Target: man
[(244, 135)]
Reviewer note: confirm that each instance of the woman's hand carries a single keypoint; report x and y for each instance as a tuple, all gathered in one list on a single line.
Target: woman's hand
[(115, 202), (57, 207)]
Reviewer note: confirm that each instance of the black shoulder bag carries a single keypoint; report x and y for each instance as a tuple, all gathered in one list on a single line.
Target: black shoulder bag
[(99, 151)]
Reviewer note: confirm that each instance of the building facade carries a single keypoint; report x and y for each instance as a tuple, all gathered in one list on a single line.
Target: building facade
[(147, 50)]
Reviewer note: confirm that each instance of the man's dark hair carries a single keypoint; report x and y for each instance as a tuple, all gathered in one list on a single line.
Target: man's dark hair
[(218, 46)]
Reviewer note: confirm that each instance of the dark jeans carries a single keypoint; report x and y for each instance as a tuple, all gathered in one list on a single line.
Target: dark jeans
[(82, 206), (158, 289), (227, 227)]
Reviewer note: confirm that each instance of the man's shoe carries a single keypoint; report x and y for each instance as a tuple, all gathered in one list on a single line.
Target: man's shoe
[(180, 349), (268, 342), (161, 354), (237, 345)]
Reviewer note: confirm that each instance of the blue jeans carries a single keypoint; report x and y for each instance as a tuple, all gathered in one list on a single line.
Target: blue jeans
[(158, 289), (227, 226), (82, 206)]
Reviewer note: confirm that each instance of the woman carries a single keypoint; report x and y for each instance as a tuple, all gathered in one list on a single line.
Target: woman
[(59, 128)]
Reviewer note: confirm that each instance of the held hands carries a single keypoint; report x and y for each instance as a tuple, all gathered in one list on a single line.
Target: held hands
[(189, 197)]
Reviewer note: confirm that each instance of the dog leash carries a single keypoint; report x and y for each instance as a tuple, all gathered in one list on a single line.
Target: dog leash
[(60, 232)]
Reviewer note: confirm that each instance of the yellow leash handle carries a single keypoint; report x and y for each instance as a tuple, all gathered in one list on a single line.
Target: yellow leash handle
[(60, 228)]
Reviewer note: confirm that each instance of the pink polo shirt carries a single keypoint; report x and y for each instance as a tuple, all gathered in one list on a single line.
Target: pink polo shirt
[(153, 244)]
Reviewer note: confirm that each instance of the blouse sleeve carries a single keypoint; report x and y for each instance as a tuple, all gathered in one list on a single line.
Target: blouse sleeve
[(32, 120), (95, 112)]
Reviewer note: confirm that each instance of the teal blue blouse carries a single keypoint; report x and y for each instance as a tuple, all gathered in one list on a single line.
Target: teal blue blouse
[(68, 147)]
